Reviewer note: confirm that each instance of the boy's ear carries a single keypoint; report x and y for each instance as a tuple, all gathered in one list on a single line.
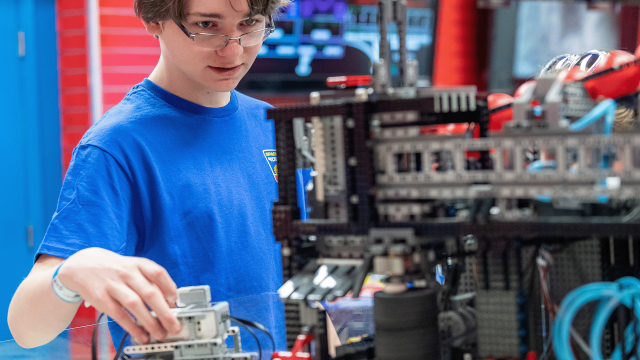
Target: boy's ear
[(153, 28)]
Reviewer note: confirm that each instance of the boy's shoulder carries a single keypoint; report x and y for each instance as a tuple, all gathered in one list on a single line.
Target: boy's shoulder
[(248, 101), (141, 111), (124, 118)]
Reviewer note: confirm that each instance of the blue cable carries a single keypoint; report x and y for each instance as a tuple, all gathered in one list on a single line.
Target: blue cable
[(303, 178), (568, 309), (602, 315), (624, 291), (538, 165), (606, 108), (630, 338)]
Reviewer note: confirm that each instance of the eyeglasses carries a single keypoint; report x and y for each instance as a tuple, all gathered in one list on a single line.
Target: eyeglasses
[(559, 63), (587, 62), (217, 42)]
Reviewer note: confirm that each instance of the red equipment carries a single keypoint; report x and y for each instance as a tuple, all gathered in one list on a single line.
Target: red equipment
[(296, 352), (349, 81), (617, 76)]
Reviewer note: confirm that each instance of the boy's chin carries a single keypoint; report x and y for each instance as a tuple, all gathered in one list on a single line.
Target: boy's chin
[(224, 86)]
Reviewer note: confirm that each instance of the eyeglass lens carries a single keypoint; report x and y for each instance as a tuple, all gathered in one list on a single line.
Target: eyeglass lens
[(586, 62), (589, 60), (558, 63), (217, 42)]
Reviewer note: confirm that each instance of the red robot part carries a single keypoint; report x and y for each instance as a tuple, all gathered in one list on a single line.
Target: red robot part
[(617, 76), (443, 130), (573, 74), (615, 58), (296, 352), (522, 89), (349, 81), (500, 110)]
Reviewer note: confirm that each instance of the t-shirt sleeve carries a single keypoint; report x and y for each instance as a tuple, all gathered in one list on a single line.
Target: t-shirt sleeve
[(94, 208)]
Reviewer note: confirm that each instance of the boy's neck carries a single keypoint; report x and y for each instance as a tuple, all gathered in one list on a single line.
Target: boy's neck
[(178, 84)]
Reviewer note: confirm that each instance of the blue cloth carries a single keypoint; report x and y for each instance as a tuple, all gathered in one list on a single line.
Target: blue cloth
[(186, 186), (303, 178)]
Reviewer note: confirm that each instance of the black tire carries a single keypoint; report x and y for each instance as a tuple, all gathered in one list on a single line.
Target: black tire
[(409, 310), (412, 344)]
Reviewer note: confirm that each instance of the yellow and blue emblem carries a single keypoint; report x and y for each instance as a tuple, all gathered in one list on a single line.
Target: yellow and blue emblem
[(270, 155)]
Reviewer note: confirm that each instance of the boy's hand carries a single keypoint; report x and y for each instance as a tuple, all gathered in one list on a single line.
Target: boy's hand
[(116, 284)]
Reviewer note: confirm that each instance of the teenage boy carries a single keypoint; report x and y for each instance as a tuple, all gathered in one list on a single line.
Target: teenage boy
[(171, 188)]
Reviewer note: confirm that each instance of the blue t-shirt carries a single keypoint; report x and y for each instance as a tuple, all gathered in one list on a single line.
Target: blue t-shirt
[(187, 186)]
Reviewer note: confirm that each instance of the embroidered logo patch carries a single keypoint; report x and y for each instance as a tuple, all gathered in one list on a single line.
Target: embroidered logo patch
[(270, 155)]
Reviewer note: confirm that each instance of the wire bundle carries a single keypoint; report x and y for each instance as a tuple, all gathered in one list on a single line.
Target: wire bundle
[(544, 260), (625, 291)]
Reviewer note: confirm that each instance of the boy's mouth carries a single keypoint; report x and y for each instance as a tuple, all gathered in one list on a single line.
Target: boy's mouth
[(228, 71)]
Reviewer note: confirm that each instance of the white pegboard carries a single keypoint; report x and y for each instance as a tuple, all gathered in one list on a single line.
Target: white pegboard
[(512, 179), (148, 349), (460, 99), (334, 178), (506, 191)]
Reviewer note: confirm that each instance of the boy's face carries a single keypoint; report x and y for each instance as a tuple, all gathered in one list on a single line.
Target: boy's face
[(197, 66)]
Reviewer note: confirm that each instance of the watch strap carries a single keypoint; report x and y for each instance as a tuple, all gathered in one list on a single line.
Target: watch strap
[(63, 292)]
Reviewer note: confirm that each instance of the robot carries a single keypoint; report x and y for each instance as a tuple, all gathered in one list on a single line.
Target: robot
[(205, 328), (395, 194)]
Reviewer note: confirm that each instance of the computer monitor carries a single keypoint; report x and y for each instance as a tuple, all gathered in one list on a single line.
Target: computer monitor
[(315, 39)]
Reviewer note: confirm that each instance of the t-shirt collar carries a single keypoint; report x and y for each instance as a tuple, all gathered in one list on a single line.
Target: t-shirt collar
[(189, 106)]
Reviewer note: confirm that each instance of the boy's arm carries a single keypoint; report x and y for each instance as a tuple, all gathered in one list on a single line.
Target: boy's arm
[(112, 283), (35, 303)]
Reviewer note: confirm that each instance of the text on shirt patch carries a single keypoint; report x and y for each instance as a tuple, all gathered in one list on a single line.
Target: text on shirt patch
[(270, 155)]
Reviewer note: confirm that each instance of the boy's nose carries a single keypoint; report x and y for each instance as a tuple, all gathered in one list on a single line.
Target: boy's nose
[(233, 48)]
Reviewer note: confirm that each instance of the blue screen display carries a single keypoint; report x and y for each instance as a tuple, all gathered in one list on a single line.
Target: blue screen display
[(310, 31)]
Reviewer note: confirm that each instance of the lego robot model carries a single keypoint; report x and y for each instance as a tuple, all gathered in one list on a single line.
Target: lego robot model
[(205, 327)]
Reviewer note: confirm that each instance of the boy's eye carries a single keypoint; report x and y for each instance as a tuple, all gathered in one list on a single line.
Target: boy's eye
[(250, 22), (205, 24)]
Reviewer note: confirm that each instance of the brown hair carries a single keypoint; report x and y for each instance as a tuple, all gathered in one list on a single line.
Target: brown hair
[(161, 10)]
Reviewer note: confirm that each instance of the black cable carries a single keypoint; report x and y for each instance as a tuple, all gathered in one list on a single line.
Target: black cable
[(257, 326), (94, 345), (252, 334), (120, 348)]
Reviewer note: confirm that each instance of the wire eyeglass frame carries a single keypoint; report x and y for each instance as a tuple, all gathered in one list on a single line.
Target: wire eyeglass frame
[(267, 31)]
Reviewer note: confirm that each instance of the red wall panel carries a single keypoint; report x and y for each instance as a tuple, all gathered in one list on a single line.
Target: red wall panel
[(70, 4), (78, 41), (75, 79), (117, 3), (73, 62), (74, 119), (128, 55), (130, 59), (120, 79), (120, 20), (136, 39), (72, 22), (75, 100)]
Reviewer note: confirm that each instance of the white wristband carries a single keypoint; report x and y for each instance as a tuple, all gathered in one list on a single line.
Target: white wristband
[(63, 292)]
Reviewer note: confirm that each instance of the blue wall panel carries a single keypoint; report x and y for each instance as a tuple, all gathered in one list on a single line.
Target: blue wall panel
[(30, 165)]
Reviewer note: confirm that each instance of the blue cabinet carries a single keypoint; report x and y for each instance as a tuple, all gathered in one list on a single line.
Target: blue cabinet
[(30, 160)]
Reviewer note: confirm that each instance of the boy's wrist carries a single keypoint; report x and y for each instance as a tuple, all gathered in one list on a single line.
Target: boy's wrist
[(63, 292)]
